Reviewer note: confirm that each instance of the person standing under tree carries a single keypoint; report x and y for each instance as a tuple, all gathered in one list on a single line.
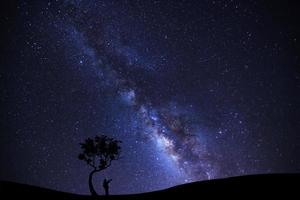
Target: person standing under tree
[(106, 186)]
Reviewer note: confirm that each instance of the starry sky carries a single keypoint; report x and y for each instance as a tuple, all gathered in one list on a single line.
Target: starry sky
[(195, 90)]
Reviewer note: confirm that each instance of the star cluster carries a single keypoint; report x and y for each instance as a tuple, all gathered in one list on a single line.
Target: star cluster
[(196, 90)]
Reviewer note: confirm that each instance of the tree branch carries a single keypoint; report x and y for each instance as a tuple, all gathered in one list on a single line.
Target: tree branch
[(92, 165), (94, 160)]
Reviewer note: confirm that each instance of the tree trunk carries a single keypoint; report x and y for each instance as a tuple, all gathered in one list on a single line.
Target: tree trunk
[(92, 190)]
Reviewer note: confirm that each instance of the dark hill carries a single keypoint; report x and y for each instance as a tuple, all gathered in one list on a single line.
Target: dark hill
[(275, 185)]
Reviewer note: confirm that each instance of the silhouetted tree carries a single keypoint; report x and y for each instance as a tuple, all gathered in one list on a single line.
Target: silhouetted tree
[(99, 153)]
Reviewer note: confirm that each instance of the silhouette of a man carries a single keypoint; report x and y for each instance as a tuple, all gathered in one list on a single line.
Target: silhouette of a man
[(106, 186)]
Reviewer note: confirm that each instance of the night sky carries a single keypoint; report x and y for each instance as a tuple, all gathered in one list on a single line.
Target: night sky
[(195, 90)]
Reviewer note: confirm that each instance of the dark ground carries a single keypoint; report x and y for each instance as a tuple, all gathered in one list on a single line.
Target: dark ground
[(255, 186)]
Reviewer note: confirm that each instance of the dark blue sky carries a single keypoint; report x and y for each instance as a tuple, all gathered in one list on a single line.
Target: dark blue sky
[(196, 90)]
